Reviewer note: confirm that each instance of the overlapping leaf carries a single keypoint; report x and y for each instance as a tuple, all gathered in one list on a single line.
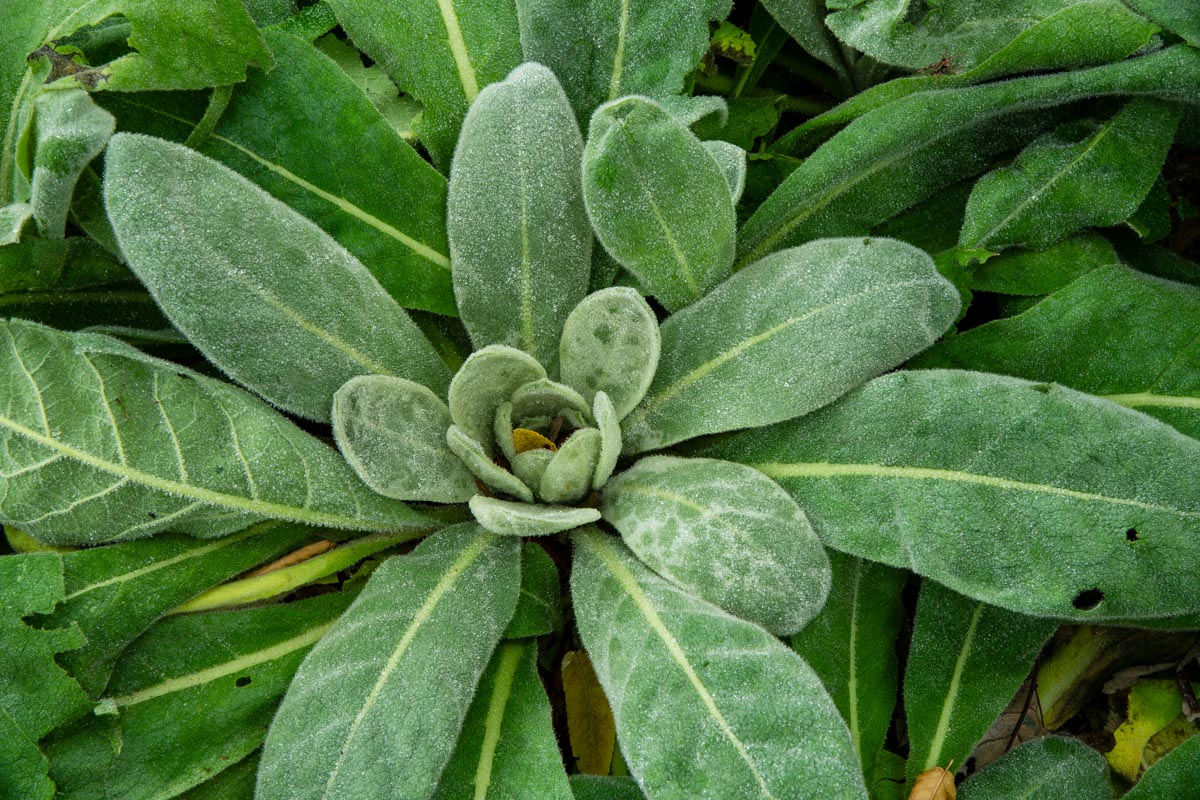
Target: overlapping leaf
[(1041, 770)]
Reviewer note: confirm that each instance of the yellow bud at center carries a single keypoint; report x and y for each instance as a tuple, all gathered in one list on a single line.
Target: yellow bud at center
[(525, 439)]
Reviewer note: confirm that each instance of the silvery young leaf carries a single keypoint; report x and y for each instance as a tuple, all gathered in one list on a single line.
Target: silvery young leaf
[(531, 465), (966, 661), (507, 518), (1038, 272), (539, 606), (1114, 332), (1060, 184), (898, 154), (604, 49), (35, 693), (568, 476), (392, 681), (190, 697), (186, 44), (271, 299), (1041, 770), (1173, 777), (724, 533), (520, 241), (610, 343), (507, 750), (605, 787), (546, 398), (655, 647), (658, 200), (114, 593), (443, 53), (485, 381), (71, 131), (481, 465), (788, 335), (393, 433), (1030, 496), (101, 443), (609, 425), (851, 645), (971, 30), (330, 155), (732, 161)]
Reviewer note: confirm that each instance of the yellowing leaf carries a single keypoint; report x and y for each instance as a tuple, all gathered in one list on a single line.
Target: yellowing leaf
[(934, 784), (589, 719), (1153, 705), (525, 439)]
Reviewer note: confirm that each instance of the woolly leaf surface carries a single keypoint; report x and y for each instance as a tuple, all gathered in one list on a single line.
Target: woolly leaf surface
[(485, 381), (539, 607), (507, 518), (610, 344), (71, 131), (1040, 770)]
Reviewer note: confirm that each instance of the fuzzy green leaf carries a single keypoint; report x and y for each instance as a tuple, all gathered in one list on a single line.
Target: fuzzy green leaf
[(719, 740), (395, 674), (610, 343), (71, 131), (1174, 17), (1033, 497), (1173, 777), (13, 219), (233, 783), (804, 21), (230, 264), (790, 334), (1042, 770), (547, 398), (393, 433), (539, 607), (708, 525), (659, 201), (1060, 184), (527, 519), (966, 661), (1037, 272), (605, 787), (520, 240), (732, 161), (485, 381), (443, 52), (851, 645), (609, 425), (1114, 332), (102, 443), (568, 476), (191, 697), (476, 459), (507, 749)]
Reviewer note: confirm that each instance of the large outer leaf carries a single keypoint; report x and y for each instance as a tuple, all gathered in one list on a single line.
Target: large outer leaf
[(966, 661), (192, 696), (267, 295), (658, 200), (675, 670), (1058, 185), (1113, 332), (604, 49), (788, 335), (1029, 496), (520, 240), (1042, 770), (896, 155), (390, 684), (851, 645), (507, 750), (101, 443), (184, 44), (443, 52), (71, 131)]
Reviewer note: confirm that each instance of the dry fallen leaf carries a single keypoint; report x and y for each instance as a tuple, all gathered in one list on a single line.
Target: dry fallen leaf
[(934, 784), (590, 724)]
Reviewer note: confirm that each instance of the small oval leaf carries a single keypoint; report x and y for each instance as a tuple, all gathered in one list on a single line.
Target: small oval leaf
[(526, 519), (486, 380), (568, 477), (609, 426)]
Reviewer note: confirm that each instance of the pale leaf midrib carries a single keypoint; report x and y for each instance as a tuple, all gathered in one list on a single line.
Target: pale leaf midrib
[(934, 757), (1144, 399), (459, 50), (508, 659), (614, 84)]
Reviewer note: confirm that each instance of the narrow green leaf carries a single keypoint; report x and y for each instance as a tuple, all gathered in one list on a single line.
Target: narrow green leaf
[(568, 476), (1041, 770), (114, 593), (853, 308), (191, 697), (71, 131), (1033, 497), (520, 240), (707, 525), (1173, 777), (732, 161), (718, 740), (443, 52), (659, 201), (966, 661), (1058, 185), (539, 607), (396, 674), (851, 644), (804, 21), (267, 275), (526, 519), (507, 748), (898, 154), (1038, 272), (1114, 332), (609, 425), (487, 380), (102, 443), (393, 433), (610, 344), (605, 49)]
